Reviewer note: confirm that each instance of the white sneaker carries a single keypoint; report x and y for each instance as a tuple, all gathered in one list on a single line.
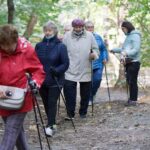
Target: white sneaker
[(90, 103), (49, 131)]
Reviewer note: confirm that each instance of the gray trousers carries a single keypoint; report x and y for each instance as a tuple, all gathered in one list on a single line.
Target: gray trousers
[(14, 133)]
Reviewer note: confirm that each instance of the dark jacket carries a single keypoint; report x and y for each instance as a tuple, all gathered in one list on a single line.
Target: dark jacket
[(53, 53)]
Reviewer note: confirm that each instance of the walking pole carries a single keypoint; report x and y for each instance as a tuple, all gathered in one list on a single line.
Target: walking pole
[(58, 105), (35, 103), (92, 85), (55, 78), (109, 106), (37, 123), (127, 85)]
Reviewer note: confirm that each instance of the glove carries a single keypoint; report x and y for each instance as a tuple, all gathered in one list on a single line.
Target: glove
[(33, 86), (92, 55), (53, 72), (111, 51)]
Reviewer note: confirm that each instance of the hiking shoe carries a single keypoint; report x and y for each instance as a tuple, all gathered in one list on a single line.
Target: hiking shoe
[(82, 116), (69, 118), (90, 101), (130, 103), (50, 130)]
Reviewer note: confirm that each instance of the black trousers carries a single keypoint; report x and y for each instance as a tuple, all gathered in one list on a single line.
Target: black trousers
[(50, 96), (132, 70), (70, 93)]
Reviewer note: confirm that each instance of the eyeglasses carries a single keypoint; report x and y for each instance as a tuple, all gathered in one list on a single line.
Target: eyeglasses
[(89, 27)]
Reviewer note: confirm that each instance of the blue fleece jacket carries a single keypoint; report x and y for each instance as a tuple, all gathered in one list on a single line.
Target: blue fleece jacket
[(131, 45), (53, 53), (98, 63)]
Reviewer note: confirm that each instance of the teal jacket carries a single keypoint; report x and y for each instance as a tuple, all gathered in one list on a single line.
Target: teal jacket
[(131, 45)]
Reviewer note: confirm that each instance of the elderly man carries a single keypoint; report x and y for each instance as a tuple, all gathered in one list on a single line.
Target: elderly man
[(82, 49)]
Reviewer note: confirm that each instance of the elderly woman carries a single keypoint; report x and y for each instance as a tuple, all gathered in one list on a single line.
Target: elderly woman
[(17, 57), (53, 55), (131, 51), (98, 64), (82, 49)]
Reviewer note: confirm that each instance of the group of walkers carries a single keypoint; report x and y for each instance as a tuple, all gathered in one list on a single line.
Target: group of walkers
[(57, 64)]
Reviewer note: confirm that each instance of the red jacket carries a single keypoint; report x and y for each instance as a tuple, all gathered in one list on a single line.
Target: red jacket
[(13, 68)]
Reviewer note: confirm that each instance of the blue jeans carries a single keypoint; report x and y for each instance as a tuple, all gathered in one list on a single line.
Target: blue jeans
[(70, 93), (97, 77), (50, 96)]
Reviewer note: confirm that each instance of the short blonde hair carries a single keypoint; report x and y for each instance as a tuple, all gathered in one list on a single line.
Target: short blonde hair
[(8, 34)]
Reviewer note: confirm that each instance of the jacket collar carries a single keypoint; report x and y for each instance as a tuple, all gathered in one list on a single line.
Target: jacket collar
[(53, 39), (83, 35)]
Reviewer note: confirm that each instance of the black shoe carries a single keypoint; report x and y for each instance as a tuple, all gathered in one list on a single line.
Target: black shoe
[(130, 103), (82, 116), (69, 118)]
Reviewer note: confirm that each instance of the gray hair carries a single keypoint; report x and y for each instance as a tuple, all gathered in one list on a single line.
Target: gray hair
[(50, 25), (67, 27), (89, 23)]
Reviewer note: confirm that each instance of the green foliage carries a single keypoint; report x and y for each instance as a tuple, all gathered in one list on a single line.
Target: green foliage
[(3, 12), (87, 10), (139, 13), (145, 58), (106, 14), (1, 2), (44, 9)]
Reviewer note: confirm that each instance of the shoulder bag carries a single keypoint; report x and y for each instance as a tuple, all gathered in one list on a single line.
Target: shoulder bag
[(14, 97)]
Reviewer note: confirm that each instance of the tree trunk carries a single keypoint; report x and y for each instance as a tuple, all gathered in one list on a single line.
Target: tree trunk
[(121, 82), (11, 11), (32, 22)]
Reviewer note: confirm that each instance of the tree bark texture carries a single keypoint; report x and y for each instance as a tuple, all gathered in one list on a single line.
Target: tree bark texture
[(121, 82), (11, 11), (32, 22)]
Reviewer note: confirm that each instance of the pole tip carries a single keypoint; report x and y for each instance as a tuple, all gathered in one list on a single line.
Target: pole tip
[(109, 107)]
